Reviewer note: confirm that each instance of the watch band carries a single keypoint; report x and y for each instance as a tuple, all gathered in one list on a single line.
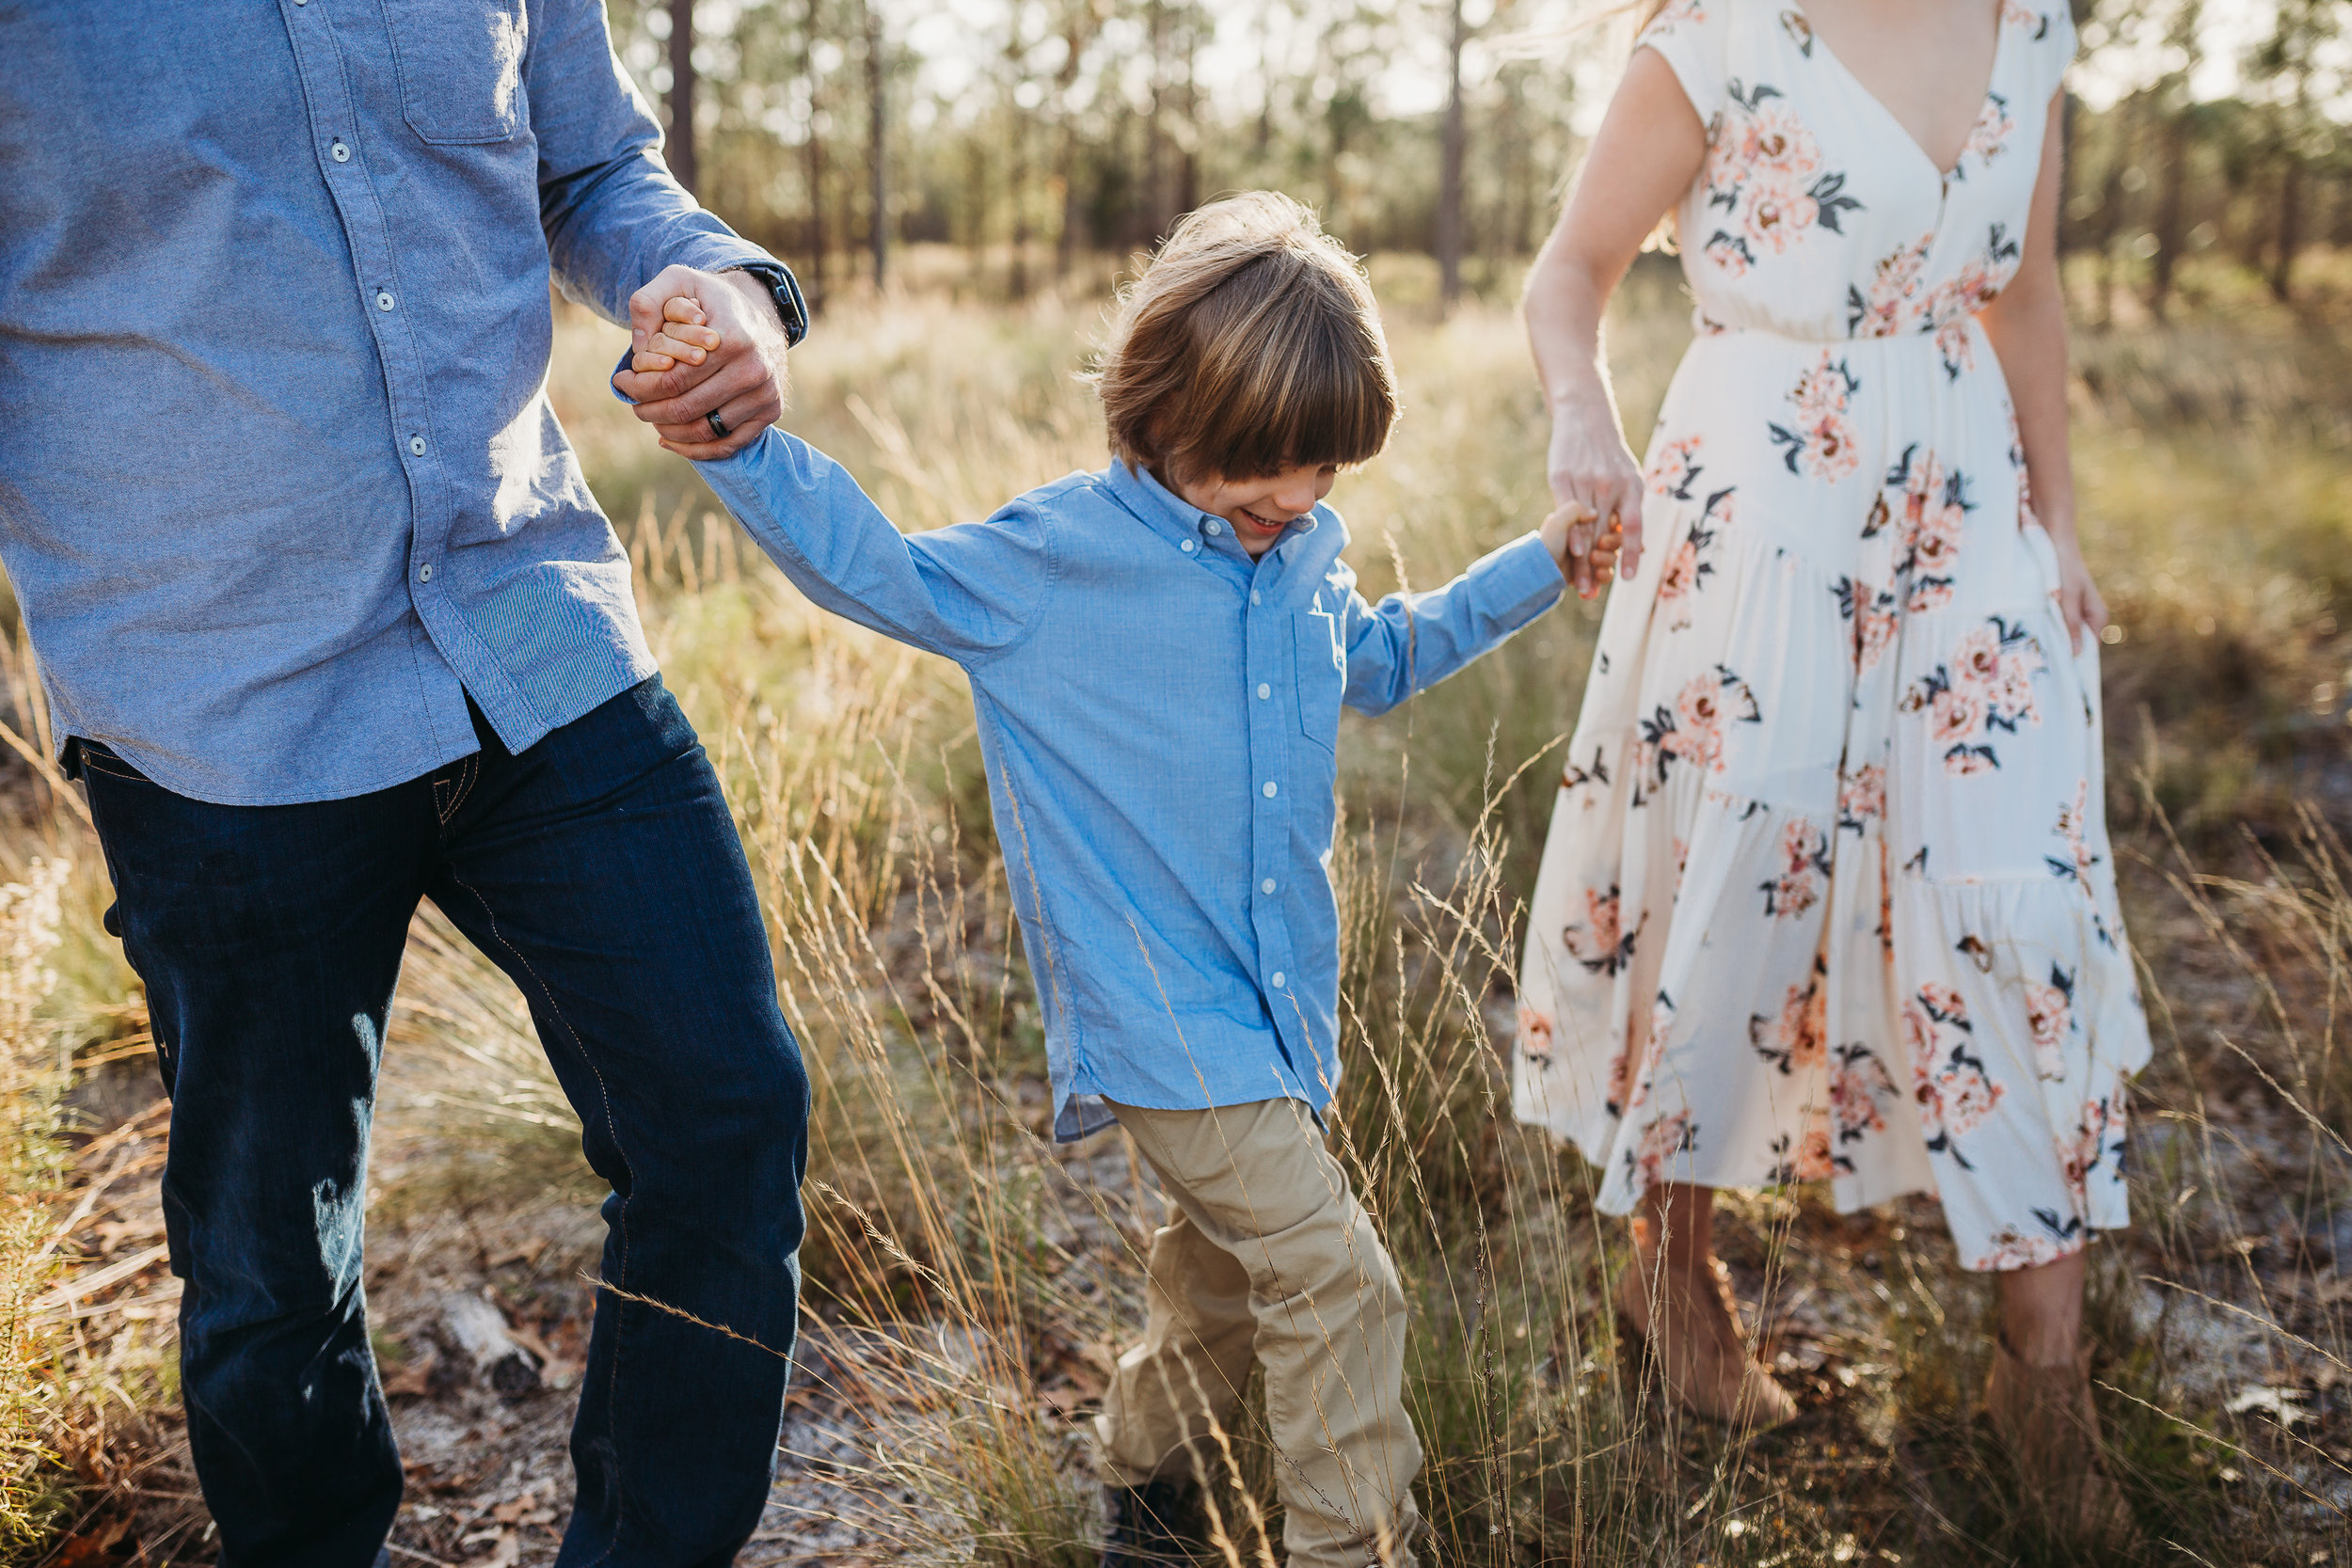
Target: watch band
[(785, 289)]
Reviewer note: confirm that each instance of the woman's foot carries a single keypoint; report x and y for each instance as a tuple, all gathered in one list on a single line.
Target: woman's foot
[(2045, 1421), (1687, 1319)]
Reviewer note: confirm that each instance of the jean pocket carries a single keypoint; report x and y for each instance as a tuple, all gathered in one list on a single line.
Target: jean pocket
[(96, 758), (461, 67), (1319, 675)]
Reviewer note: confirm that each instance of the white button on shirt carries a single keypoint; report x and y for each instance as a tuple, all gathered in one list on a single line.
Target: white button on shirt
[(1265, 691), (383, 300)]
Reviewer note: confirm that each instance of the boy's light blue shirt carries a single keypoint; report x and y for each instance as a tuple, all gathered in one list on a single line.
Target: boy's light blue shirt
[(1158, 714)]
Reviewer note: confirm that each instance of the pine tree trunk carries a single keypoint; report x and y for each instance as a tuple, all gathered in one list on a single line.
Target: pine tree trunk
[(681, 147), (2288, 237), (1450, 173), (2170, 201), (813, 157), (877, 145)]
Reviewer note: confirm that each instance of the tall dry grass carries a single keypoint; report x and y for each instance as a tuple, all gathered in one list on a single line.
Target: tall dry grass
[(969, 1281)]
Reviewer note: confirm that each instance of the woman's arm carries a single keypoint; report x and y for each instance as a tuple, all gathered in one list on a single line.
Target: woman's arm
[(2027, 325), (1649, 149)]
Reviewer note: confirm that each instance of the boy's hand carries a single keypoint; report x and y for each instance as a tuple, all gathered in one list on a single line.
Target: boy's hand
[(741, 379), (1588, 554), (684, 336)]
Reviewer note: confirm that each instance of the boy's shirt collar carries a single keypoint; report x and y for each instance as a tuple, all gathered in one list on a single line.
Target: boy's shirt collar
[(1195, 532)]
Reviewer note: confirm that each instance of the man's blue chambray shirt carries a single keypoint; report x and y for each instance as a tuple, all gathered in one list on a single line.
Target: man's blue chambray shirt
[(279, 480), (1158, 714)]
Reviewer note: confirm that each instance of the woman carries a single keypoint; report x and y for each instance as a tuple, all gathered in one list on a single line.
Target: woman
[(1827, 893)]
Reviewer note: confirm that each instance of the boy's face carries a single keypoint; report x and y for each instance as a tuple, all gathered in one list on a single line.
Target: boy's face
[(1259, 510)]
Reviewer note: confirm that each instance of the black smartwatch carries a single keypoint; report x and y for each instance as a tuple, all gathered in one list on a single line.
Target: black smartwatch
[(785, 290)]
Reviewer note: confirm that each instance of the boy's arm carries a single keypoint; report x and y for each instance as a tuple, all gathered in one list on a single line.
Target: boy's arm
[(1410, 641), (968, 591)]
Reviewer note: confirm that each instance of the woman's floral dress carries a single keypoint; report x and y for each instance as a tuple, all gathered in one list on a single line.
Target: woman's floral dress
[(1827, 895)]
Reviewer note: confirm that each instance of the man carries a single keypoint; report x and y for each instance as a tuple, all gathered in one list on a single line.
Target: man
[(330, 623)]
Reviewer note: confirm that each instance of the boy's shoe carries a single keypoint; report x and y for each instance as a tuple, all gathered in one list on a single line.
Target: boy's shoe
[(1691, 1327), (1148, 1526)]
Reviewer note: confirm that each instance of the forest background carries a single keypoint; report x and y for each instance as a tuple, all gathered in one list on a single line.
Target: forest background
[(961, 186), (1034, 134)]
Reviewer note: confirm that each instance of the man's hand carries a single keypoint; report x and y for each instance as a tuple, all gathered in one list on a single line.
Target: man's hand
[(741, 380)]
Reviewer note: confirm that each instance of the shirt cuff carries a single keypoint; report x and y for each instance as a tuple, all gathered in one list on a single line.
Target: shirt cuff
[(1520, 581)]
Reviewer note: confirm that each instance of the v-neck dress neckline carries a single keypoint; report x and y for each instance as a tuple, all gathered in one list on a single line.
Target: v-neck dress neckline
[(1992, 79)]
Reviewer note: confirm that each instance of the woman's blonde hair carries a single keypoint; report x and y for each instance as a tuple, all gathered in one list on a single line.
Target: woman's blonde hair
[(1251, 343)]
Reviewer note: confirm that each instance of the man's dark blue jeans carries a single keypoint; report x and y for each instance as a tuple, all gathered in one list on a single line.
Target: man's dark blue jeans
[(600, 869)]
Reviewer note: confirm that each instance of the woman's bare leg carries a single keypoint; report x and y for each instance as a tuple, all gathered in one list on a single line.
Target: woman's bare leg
[(2038, 1398), (2041, 1312), (1677, 1298)]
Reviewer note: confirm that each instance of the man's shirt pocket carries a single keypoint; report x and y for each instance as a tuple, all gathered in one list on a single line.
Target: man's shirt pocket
[(461, 67)]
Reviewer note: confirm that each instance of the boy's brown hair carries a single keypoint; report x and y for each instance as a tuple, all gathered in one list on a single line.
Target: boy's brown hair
[(1251, 341)]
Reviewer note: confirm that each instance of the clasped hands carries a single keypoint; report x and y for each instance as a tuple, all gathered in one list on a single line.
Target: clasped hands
[(705, 343), (710, 342)]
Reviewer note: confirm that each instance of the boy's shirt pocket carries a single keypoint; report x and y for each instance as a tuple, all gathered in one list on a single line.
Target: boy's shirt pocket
[(1319, 675)]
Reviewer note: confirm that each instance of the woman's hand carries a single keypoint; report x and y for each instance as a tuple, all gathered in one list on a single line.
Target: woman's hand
[(1593, 474), (2077, 597)]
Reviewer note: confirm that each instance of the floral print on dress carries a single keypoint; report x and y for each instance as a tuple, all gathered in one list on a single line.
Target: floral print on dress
[(1820, 441), (1534, 1036), (1803, 873), (1692, 730), (1686, 566), (1861, 796), (1797, 1038), (1870, 614), (1986, 685), (1988, 139), (1893, 304), (2050, 1021), (1955, 1093), (1931, 507), (1596, 941), (1764, 175), (1661, 1140), (1809, 1157), (1859, 1089)]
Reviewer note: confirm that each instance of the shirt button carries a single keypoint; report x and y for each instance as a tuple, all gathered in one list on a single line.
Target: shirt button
[(1254, 596), (424, 573), (416, 445), (1265, 691), (1267, 789), (1266, 887), (1275, 979), (383, 299), (1187, 547), (1214, 527), (341, 154)]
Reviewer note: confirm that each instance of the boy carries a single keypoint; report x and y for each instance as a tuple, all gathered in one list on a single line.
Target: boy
[(1158, 653)]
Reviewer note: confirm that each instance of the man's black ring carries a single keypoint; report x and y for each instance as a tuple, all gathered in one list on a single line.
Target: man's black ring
[(718, 425)]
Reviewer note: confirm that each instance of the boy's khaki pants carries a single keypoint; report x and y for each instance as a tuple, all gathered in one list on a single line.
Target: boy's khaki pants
[(1269, 1256)]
